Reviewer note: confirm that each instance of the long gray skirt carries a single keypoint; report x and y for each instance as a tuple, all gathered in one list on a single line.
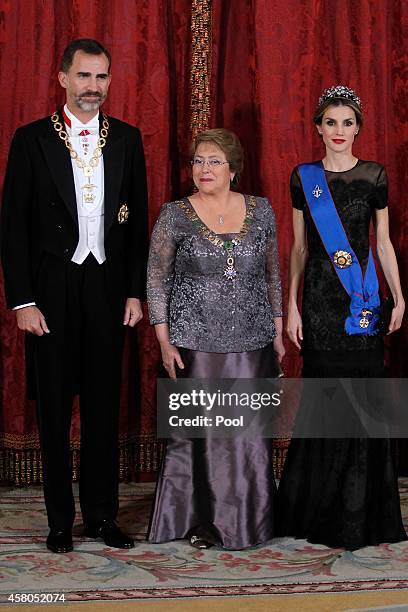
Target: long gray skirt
[(221, 489)]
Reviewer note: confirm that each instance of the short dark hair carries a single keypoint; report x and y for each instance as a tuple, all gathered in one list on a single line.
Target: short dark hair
[(229, 143), (87, 45)]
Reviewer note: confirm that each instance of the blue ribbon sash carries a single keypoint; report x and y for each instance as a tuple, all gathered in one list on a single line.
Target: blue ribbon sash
[(363, 291)]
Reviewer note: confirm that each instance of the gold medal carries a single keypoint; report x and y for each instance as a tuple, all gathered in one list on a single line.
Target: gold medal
[(342, 259), (123, 213), (365, 320), (88, 197)]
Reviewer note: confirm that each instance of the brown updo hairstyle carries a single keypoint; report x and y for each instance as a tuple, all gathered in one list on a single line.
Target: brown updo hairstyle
[(229, 144), (337, 101)]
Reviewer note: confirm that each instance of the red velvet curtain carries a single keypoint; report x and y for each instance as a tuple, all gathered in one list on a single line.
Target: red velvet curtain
[(271, 60), (150, 47)]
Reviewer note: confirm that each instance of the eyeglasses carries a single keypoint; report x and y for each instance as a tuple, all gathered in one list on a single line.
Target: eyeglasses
[(199, 162)]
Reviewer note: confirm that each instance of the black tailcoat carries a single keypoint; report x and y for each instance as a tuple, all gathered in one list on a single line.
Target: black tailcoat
[(39, 214), (83, 304)]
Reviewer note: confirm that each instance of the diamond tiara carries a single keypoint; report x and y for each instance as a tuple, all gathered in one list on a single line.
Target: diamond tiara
[(340, 91)]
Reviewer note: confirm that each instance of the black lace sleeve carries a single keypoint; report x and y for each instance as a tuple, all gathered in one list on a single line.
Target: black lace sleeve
[(296, 191), (379, 197)]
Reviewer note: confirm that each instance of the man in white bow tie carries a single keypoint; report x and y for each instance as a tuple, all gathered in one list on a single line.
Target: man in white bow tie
[(74, 247)]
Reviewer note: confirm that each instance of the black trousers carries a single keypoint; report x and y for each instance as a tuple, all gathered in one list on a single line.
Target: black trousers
[(81, 355)]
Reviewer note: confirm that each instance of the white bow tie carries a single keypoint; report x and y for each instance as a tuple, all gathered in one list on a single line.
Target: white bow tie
[(90, 128)]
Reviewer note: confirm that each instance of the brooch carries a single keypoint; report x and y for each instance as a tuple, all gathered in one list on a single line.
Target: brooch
[(342, 259), (123, 213), (317, 191)]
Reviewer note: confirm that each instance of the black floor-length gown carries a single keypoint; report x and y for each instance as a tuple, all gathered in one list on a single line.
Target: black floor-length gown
[(340, 492)]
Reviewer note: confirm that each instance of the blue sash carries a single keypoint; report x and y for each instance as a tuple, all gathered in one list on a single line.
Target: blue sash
[(363, 292)]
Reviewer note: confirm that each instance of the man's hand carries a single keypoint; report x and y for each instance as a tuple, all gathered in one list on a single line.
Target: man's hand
[(31, 319), (133, 312)]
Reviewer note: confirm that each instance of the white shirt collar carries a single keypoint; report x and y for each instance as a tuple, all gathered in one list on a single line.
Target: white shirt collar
[(77, 126)]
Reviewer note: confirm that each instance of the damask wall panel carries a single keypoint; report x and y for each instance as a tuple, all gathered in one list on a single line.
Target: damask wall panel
[(262, 66), (272, 59), (150, 46)]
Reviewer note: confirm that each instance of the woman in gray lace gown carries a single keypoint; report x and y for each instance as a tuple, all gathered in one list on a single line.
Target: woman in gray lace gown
[(214, 297)]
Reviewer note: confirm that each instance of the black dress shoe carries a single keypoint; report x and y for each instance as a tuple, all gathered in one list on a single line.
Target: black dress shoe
[(60, 541), (110, 534)]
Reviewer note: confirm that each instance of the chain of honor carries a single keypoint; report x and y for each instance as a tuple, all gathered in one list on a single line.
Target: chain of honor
[(86, 166)]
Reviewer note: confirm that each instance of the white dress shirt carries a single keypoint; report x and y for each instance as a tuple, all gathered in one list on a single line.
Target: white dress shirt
[(90, 215)]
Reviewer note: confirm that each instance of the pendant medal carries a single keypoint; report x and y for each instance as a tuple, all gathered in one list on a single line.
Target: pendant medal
[(230, 271), (365, 320), (88, 197)]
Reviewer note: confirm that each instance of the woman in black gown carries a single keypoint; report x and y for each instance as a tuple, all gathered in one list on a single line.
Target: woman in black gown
[(215, 299), (340, 492)]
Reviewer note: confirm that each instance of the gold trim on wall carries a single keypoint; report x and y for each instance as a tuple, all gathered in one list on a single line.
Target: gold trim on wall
[(20, 457), (201, 26), (279, 451), (200, 79), (21, 465)]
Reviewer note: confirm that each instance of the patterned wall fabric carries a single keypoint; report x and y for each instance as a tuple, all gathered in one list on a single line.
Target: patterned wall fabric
[(254, 66)]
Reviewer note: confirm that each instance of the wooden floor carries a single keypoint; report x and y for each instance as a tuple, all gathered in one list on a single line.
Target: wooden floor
[(273, 603)]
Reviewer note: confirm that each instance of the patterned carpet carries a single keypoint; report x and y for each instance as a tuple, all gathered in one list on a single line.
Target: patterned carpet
[(94, 572)]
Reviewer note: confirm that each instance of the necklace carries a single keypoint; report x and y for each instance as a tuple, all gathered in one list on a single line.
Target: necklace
[(86, 166), (230, 271), (220, 219)]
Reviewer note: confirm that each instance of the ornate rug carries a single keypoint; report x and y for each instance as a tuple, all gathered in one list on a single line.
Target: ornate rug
[(94, 572)]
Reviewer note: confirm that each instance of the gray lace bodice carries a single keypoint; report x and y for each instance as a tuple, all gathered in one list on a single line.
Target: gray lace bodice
[(187, 288)]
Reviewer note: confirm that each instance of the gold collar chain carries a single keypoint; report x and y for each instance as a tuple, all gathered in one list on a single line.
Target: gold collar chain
[(188, 209), (87, 167)]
